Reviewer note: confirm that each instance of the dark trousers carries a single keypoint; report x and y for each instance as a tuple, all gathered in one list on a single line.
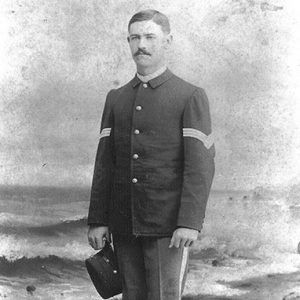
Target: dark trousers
[(151, 270)]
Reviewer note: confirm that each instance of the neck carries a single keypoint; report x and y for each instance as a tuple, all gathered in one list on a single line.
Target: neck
[(144, 71)]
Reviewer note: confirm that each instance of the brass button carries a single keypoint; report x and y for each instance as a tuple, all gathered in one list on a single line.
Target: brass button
[(145, 85), (135, 156), (138, 107), (134, 180), (136, 131)]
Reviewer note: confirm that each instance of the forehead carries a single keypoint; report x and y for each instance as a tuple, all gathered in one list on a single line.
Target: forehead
[(145, 27)]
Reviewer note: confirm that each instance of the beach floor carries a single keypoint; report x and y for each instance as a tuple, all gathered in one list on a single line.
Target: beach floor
[(79, 287), (269, 287)]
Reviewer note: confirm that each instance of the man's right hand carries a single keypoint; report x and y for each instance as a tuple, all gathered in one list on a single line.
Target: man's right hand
[(97, 236)]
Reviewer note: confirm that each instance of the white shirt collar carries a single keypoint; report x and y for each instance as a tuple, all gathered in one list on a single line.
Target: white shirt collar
[(152, 75)]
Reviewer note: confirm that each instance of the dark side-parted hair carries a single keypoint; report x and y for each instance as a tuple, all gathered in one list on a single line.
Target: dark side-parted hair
[(154, 15)]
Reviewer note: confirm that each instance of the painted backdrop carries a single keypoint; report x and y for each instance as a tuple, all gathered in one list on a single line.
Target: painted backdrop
[(58, 60)]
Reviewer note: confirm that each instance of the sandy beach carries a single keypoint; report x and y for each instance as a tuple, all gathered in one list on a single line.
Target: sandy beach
[(269, 287), (64, 283)]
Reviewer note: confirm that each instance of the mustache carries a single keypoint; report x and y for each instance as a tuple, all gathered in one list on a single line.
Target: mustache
[(140, 51)]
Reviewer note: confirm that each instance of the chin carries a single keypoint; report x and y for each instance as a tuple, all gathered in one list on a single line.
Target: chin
[(142, 58), (143, 63)]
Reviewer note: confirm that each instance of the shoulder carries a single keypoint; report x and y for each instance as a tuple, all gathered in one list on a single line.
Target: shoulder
[(113, 94), (183, 83), (187, 89), (125, 87)]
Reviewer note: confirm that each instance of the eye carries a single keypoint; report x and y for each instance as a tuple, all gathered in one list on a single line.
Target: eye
[(133, 38)]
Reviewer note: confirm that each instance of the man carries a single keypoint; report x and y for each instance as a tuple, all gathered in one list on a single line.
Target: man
[(154, 168)]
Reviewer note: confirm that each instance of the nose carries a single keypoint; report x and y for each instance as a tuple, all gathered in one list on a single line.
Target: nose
[(142, 43)]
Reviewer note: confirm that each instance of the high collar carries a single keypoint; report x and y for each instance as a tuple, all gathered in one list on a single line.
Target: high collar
[(146, 78), (155, 82)]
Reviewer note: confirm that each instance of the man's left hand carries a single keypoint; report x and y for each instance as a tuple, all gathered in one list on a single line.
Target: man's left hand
[(183, 237)]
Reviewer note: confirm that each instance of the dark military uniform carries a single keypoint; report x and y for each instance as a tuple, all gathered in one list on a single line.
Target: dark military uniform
[(155, 160)]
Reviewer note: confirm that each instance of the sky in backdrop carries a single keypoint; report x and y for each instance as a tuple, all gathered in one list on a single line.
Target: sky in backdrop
[(60, 58)]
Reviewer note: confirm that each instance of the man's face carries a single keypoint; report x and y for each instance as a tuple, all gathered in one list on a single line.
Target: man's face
[(148, 44)]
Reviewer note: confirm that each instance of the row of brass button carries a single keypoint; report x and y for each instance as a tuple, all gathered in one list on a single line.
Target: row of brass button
[(136, 131)]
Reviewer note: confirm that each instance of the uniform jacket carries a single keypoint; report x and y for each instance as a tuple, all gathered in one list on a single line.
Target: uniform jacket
[(155, 159)]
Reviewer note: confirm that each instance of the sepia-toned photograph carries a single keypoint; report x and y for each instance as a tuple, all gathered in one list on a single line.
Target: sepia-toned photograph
[(149, 150)]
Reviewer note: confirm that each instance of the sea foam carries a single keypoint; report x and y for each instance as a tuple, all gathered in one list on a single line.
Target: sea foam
[(13, 248)]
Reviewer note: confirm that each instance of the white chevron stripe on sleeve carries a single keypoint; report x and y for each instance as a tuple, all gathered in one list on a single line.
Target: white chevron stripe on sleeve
[(105, 132), (207, 140)]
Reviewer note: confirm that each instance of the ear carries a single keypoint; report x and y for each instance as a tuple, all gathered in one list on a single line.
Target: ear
[(168, 41)]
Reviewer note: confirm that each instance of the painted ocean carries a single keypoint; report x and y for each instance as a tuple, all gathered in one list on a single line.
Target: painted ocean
[(248, 248)]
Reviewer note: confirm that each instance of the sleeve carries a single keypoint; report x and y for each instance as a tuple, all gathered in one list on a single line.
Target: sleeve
[(103, 170), (199, 168)]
